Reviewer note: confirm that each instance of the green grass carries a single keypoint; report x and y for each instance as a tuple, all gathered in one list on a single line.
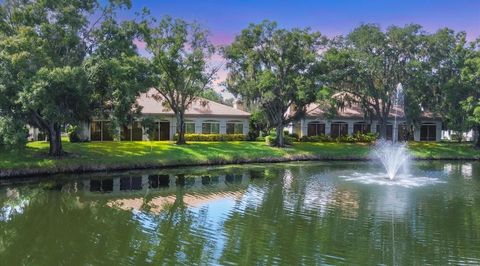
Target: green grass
[(107, 155), (445, 150)]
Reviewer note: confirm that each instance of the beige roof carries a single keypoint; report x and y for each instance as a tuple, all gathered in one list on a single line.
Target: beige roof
[(355, 112), (200, 107)]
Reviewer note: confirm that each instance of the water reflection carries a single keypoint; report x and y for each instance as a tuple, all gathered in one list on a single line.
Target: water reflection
[(263, 214)]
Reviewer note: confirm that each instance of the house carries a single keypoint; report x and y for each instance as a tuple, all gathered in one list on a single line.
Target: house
[(202, 117), (351, 119)]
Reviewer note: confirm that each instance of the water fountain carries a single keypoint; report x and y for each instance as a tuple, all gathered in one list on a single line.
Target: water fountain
[(393, 154), (394, 157)]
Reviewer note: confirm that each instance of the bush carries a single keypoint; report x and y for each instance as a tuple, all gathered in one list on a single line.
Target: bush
[(13, 134), (252, 136), (293, 136), (457, 137), (72, 132), (213, 137), (358, 137), (271, 139), (345, 138), (367, 138), (319, 138), (262, 138)]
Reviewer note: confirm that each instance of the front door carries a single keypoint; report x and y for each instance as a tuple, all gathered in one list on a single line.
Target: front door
[(164, 130)]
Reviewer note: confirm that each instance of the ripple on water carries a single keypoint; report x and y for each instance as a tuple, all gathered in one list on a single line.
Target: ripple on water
[(403, 180)]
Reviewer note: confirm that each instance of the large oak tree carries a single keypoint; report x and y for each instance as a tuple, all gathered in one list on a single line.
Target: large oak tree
[(50, 54), (369, 63), (276, 70)]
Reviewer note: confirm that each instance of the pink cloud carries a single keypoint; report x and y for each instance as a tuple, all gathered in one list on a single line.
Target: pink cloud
[(221, 38)]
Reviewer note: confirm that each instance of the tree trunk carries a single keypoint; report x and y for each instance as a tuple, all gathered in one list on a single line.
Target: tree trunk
[(280, 141), (181, 128), (477, 143), (55, 139), (383, 129)]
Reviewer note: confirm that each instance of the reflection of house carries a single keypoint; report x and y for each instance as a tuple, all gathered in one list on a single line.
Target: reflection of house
[(352, 119), (202, 117), (123, 191), (128, 184)]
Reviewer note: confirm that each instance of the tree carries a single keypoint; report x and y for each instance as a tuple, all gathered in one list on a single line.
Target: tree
[(275, 69), (437, 84), (44, 48), (212, 95), (180, 53), (470, 75), (116, 72), (368, 64)]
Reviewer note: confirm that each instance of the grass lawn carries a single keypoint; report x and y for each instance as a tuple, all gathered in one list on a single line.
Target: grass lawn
[(116, 155)]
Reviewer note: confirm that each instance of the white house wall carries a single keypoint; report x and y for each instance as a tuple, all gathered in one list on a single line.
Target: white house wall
[(197, 120), (303, 130)]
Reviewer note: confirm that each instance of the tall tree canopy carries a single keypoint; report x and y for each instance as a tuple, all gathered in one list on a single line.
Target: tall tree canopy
[(116, 72), (180, 69), (44, 48), (470, 77), (369, 63), (276, 69)]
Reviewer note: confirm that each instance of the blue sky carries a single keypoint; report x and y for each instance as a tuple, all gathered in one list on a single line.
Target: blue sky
[(225, 18)]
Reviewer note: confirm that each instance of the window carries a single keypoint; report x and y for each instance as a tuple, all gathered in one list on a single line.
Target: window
[(100, 131), (101, 185), (211, 127), (131, 183), (189, 128), (339, 129), (156, 181), (234, 127), (361, 127), (315, 129), (428, 132)]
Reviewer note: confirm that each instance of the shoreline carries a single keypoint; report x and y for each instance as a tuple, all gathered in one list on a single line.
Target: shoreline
[(82, 169)]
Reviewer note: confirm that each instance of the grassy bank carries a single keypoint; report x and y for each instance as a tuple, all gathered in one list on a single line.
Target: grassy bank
[(128, 155)]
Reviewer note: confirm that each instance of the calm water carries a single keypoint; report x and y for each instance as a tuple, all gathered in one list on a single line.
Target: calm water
[(289, 214)]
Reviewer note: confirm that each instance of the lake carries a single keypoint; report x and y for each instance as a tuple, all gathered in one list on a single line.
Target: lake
[(288, 213)]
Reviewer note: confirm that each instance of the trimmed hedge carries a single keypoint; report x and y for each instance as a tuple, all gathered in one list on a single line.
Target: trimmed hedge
[(359, 137), (213, 137)]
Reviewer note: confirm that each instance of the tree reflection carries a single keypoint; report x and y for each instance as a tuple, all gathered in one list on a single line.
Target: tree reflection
[(294, 214)]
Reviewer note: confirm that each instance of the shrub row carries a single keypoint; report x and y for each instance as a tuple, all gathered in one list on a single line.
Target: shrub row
[(213, 137), (358, 137)]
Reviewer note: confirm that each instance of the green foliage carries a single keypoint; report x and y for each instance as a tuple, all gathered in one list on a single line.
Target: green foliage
[(212, 95), (271, 139), (72, 132), (275, 69), (366, 66), (13, 135), (318, 138), (257, 124), (213, 137), (44, 44), (357, 138), (148, 124), (180, 69)]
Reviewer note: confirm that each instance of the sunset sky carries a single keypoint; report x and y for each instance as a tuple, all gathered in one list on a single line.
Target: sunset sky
[(225, 18)]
